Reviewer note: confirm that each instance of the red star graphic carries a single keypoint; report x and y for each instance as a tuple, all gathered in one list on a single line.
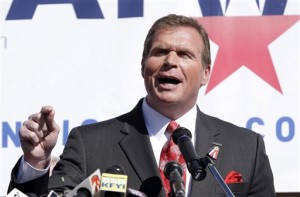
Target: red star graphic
[(243, 41)]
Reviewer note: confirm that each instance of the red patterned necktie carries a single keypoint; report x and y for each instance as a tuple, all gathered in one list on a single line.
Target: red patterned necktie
[(170, 152)]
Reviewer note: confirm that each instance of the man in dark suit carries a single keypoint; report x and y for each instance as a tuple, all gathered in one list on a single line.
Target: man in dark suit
[(175, 64)]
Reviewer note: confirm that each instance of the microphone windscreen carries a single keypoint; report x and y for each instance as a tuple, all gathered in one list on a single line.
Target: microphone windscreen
[(170, 167), (115, 169), (180, 132), (83, 192)]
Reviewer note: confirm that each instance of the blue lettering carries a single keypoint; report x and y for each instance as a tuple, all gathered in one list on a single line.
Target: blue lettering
[(104, 184), (285, 129), (253, 120), (211, 7), (130, 8), (274, 7), (214, 8), (120, 186), (66, 128), (88, 121), (90, 9), (65, 131), (84, 9), (8, 132), (290, 131)]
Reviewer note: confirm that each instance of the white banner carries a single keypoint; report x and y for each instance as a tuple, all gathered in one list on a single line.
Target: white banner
[(85, 61)]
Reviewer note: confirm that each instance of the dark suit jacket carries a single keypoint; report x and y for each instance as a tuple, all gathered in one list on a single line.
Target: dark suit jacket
[(124, 140)]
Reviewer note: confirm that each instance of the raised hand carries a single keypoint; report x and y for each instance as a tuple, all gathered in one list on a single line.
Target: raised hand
[(38, 136)]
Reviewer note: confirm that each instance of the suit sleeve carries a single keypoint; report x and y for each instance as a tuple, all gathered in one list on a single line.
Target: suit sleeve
[(71, 168), (68, 172), (262, 183), (37, 186)]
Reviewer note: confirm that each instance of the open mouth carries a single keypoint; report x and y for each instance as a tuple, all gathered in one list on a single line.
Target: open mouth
[(169, 80)]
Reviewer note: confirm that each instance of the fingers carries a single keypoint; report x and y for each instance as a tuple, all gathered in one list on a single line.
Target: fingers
[(38, 136), (38, 126), (45, 119), (49, 114), (37, 123), (47, 110), (33, 129), (29, 135)]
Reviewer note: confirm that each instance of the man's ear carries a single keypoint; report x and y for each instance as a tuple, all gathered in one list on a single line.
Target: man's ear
[(143, 67), (206, 75)]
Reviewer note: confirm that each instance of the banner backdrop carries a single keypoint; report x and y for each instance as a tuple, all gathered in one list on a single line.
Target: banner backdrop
[(83, 58)]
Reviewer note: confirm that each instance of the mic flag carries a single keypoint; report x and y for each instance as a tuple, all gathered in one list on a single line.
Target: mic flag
[(90, 187), (114, 182)]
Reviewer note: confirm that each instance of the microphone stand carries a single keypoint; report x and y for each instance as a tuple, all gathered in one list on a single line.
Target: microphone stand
[(207, 162), (196, 166)]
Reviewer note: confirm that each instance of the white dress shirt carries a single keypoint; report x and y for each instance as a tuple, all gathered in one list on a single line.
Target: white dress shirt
[(27, 172), (157, 123)]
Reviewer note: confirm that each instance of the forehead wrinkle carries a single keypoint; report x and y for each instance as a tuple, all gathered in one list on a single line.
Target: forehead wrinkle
[(186, 44)]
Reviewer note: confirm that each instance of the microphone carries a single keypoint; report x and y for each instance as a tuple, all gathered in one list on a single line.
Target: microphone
[(182, 137), (136, 193), (173, 171), (196, 166), (52, 193), (16, 193), (114, 182), (90, 187)]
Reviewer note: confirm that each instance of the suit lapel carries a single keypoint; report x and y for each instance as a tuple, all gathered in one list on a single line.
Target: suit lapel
[(206, 134), (138, 149), (137, 145)]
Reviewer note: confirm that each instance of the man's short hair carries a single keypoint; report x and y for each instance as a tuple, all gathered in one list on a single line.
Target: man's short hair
[(174, 20)]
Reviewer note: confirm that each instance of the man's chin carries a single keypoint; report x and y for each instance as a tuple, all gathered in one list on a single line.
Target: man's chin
[(170, 101)]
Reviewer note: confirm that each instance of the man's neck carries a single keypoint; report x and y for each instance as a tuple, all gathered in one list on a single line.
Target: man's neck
[(171, 111)]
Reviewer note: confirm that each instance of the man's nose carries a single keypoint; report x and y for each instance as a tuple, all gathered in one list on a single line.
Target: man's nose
[(171, 59)]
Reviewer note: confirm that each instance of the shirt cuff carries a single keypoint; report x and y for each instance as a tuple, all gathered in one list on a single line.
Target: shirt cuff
[(27, 172)]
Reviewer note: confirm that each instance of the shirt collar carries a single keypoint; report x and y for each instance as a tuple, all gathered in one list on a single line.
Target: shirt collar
[(156, 123)]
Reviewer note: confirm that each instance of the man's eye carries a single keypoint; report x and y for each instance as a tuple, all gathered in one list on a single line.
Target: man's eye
[(161, 52), (184, 55)]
